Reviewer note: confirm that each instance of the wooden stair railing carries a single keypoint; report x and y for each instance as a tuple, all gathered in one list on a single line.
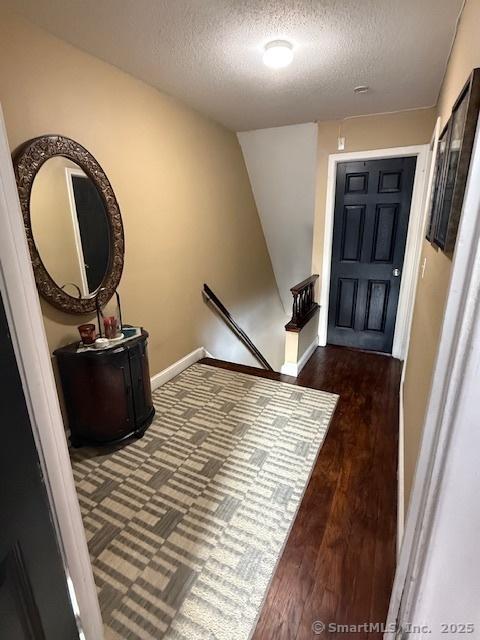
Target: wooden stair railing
[(224, 312), (304, 305)]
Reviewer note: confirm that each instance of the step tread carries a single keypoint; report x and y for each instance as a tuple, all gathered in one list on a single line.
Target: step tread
[(253, 371)]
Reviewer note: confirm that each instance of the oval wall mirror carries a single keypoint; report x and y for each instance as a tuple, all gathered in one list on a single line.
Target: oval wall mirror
[(73, 223)]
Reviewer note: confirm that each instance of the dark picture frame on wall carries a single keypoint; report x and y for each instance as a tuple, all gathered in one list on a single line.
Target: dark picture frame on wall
[(437, 183), (452, 165)]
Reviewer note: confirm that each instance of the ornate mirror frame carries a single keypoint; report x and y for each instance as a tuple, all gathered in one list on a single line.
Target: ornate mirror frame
[(27, 161)]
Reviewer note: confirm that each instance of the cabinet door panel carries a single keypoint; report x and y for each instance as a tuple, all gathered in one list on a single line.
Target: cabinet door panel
[(98, 395), (140, 377)]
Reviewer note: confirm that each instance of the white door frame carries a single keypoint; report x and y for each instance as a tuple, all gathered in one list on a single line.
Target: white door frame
[(457, 351), (69, 173), (22, 307), (412, 249), (430, 175)]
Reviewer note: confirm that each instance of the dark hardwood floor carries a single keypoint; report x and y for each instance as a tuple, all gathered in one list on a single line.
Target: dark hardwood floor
[(339, 561)]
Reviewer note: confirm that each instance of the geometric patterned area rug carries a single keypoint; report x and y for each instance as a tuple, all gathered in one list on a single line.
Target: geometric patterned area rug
[(186, 525)]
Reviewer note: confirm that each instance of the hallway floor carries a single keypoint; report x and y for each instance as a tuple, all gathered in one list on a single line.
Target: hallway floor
[(186, 525), (339, 561)]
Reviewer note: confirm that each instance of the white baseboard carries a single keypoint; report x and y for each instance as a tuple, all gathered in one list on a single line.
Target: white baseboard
[(289, 369), (294, 368), (177, 367)]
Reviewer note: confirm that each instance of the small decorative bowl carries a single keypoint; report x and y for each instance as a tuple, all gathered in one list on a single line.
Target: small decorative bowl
[(102, 343)]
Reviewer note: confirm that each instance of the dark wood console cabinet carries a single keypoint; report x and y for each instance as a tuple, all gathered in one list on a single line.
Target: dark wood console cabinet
[(107, 392)]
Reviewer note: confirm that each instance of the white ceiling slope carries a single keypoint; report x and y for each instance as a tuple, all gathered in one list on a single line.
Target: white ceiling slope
[(208, 53), (281, 164)]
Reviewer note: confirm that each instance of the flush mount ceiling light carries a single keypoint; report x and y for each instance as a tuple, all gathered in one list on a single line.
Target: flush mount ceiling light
[(278, 54), (361, 89)]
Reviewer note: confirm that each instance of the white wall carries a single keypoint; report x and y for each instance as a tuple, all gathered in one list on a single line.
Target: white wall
[(281, 163), (449, 591), (254, 316)]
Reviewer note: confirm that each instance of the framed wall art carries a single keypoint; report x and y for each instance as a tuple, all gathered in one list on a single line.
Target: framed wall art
[(452, 166)]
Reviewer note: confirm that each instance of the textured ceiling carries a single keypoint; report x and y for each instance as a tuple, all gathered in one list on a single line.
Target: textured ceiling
[(209, 52)]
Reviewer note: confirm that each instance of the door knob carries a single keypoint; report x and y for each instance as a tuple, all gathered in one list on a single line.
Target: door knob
[(396, 272)]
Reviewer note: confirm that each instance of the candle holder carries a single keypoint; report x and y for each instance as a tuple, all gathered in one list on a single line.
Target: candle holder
[(109, 316), (87, 333)]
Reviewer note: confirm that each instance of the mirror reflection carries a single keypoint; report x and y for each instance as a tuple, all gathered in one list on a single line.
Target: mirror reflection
[(70, 227)]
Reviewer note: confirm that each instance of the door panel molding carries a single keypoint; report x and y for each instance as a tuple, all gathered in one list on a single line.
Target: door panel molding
[(14, 577), (346, 302), (346, 255), (380, 209), (414, 237), (379, 311)]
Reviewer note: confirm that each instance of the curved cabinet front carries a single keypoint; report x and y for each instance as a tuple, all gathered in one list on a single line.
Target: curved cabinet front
[(107, 393)]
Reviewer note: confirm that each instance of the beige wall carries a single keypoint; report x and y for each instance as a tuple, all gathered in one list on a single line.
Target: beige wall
[(401, 129), (432, 289), (182, 187), (52, 223)]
